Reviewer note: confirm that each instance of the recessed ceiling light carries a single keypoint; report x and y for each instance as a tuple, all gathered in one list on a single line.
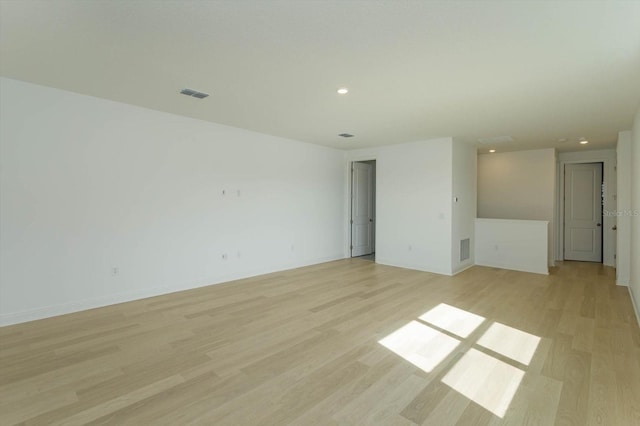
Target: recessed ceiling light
[(492, 151), (584, 142), (343, 91), (562, 140)]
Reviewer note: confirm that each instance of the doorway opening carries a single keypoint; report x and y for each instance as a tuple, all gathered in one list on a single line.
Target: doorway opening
[(363, 209), (583, 208)]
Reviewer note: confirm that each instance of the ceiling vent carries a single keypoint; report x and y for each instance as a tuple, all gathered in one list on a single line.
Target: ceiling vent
[(495, 140), (346, 135), (194, 93)]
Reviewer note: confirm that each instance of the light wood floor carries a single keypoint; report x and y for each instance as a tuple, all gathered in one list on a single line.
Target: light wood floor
[(302, 347)]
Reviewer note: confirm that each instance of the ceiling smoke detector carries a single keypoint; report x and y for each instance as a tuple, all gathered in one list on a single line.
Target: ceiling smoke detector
[(194, 93)]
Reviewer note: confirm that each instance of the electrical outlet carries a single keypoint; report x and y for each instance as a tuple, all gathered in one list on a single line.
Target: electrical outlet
[(224, 256)]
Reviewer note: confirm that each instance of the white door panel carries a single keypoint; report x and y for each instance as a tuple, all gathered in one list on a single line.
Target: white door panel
[(361, 209), (583, 212)]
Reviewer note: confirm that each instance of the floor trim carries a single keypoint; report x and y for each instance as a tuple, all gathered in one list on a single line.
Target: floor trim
[(635, 307)]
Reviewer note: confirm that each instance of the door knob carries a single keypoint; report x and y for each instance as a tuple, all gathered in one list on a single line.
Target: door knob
[(370, 220), (597, 224), (615, 227)]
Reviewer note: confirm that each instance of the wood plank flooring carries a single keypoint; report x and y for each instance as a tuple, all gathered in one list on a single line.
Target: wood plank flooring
[(303, 347)]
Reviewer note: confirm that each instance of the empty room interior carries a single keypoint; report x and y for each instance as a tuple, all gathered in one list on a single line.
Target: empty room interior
[(319, 212)]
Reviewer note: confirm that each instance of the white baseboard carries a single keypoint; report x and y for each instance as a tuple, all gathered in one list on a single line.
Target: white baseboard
[(622, 281), (636, 308), (99, 302), (471, 265), (515, 268), (77, 306), (386, 262)]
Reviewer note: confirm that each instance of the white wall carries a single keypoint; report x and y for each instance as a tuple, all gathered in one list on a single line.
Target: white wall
[(519, 185), (414, 209), (634, 284), (623, 200), (520, 245), (464, 202), (608, 158), (89, 185)]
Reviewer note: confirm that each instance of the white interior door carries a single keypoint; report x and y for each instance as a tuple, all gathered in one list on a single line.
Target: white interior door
[(361, 209), (583, 212)]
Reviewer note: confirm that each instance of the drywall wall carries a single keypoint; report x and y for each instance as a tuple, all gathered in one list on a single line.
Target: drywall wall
[(519, 185), (413, 199), (104, 202), (520, 245), (608, 158), (464, 202), (623, 205), (634, 284)]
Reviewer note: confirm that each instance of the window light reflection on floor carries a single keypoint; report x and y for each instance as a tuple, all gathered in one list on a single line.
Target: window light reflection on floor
[(454, 320), (510, 342), (421, 345), (485, 380)]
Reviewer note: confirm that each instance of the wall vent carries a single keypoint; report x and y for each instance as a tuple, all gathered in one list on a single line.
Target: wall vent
[(194, 93), (346, 135), (464, 249)]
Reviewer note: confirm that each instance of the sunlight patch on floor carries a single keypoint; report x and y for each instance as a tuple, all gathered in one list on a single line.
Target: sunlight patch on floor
[(485, 380), (510, 342), (454, 320), (420, 344)]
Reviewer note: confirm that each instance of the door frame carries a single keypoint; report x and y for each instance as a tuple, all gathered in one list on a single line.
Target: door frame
[(608, 159), (348, 204), (600, 199)]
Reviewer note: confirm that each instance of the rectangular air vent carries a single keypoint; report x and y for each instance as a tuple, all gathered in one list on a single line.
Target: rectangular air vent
[(464, 249), (346, 135), (194, 93)]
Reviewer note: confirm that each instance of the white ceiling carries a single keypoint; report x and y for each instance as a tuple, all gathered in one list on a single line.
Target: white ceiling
[(537, 71)]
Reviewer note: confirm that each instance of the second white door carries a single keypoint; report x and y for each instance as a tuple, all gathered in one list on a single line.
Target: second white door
[(361, 209), (583, 212)]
